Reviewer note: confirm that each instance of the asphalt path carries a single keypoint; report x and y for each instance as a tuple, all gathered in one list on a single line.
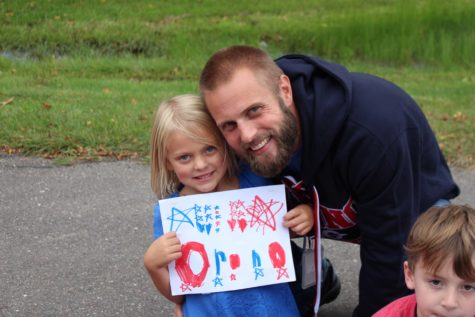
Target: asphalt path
[(72, 241)]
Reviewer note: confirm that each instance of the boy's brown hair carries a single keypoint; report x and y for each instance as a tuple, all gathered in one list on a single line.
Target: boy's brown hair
[(443, 233)]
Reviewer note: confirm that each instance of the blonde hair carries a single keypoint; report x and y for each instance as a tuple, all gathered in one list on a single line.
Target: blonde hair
[(221, 67), (443, 233), (187, 114)]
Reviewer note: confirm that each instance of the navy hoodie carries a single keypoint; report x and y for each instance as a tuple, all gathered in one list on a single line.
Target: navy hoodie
[(375, 162)]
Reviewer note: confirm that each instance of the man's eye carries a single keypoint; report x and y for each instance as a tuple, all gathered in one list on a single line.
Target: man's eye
[(228, 126), (211, 149), (254, 111)]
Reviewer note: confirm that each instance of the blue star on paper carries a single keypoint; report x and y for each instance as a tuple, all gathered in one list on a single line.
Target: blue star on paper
[(258, 271), (178, 216), (218, 281)]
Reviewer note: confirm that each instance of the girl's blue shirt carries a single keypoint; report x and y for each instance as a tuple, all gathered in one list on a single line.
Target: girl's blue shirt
[(265, 301)]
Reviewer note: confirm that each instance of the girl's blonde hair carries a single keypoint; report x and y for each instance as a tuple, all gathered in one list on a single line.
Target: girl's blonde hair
[(187, 114)]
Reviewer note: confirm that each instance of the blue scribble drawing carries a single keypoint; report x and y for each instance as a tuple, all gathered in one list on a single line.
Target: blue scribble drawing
[(203, 227), (258, 271), (256, 264), (218, 281), (219, 257), (256, 259), (205, 218), (179, 217), (202, 218)]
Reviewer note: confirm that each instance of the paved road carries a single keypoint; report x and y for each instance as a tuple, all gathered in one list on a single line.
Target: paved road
[(72, 240)]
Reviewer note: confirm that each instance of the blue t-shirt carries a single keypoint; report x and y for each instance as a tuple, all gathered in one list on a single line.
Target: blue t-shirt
[(265, 301)]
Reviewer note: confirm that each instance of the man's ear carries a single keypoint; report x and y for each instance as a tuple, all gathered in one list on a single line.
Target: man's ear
[(286, 90), (408, 276)]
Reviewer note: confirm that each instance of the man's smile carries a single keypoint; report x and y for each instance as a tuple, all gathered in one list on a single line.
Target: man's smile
[(260, 145)]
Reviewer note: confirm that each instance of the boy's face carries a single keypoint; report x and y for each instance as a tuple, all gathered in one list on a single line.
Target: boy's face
[(443, 294)]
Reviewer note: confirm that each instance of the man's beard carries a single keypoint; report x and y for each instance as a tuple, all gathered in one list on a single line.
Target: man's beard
[(286, 137)]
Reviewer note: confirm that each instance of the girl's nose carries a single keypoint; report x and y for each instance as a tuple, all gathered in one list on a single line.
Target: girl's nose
[(200, 162)]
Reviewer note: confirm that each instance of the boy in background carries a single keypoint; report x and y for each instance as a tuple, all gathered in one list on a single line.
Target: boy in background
[(440, 266)]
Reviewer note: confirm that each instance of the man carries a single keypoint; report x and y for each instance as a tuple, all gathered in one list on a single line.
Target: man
[(361, 141)]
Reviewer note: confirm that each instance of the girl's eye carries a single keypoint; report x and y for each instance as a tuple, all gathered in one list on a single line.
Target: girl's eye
[(211, 149), (184, 158)]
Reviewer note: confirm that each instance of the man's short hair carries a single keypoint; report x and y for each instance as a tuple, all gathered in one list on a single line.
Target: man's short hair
[(223, 64)]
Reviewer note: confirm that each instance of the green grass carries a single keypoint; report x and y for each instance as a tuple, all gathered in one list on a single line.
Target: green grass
[(85, 76), (57, 115)]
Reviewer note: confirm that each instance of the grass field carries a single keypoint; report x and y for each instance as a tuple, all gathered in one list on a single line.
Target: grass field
[(81, 79)]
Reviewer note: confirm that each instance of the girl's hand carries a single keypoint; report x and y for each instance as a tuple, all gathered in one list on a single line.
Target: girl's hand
[(299, 219), (162, 251)]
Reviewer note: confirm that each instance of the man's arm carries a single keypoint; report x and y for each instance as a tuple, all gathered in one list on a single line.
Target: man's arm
[(387, 197)]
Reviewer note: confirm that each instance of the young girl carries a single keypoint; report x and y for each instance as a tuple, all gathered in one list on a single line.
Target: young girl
[(189, 156)]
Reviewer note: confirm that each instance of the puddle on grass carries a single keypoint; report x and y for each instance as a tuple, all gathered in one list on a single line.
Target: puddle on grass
[(19, 56)]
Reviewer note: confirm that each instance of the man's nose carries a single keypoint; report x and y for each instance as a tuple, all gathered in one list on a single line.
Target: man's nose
[(247, 132)]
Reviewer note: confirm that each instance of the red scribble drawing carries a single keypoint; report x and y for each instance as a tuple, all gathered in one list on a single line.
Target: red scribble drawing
[(242, 224), (277, 258), (183, 268), (234, 261), (232, 224), (258, 214), (262, 214), (238, 209), (185, 287), (237, 215)]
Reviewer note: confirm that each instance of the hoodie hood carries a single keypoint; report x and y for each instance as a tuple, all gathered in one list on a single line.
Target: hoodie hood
[(322, 95)]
